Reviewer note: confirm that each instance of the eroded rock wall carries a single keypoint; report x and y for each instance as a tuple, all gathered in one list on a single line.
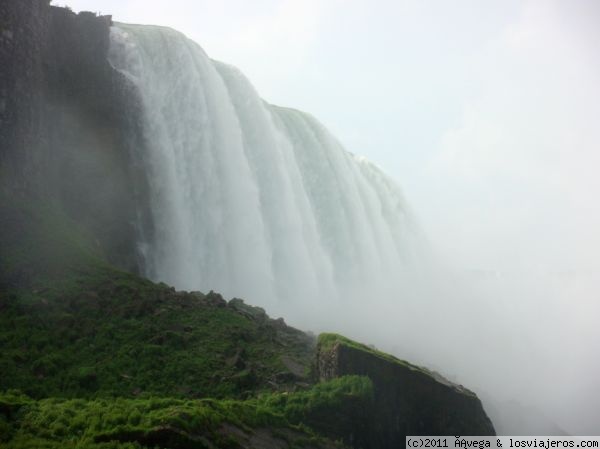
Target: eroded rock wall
[(23, 31), (408, 400), (69, 124)]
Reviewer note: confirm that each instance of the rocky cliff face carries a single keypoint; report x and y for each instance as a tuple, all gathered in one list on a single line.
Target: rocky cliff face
[(408, 400), (68, 122), (23, 30)]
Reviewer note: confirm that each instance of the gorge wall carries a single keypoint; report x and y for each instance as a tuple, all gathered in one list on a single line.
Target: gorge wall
[(23, 35), (68, 123)]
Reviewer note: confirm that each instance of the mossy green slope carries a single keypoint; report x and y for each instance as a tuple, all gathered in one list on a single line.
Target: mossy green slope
[(327, 340), (74, 326), (95, 357), (176, 423), (92, 356)]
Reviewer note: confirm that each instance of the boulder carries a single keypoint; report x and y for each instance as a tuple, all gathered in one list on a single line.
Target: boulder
[(407, 400)]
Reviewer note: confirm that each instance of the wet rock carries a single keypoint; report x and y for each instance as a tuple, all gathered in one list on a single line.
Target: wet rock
[(215, 299), (408, 400), (293, 366), (237, 360), (254, 313)]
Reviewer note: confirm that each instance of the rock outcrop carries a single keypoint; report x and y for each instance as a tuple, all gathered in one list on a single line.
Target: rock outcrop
[(23, 33), (408, 400), (68, 123)]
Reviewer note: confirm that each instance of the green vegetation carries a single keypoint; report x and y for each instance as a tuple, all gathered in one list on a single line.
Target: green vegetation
[(129, 423), (327, 341), (327, 396), (40, 248), (92, 356), (95, 357), (123, 336), (73, 326)]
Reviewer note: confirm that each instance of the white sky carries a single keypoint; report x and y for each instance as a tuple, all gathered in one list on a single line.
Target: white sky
[(487, 113)]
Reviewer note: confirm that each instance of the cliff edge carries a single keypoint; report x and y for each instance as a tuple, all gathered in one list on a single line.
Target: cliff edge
[(407, 399)]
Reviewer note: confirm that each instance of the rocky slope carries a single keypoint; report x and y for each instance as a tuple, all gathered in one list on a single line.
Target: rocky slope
[(73, 325)]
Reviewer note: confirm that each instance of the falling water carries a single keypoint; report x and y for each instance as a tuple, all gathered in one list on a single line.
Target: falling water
[(251, 199)]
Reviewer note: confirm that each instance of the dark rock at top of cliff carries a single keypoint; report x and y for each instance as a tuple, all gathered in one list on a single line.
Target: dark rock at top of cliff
[(408, 400), (76, 54), (69, 124), (23, 34)]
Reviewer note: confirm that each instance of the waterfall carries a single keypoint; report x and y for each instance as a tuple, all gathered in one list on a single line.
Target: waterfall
[(250, 199)]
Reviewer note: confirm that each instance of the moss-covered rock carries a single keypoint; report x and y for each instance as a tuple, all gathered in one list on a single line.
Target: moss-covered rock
[(274, 420), (407, 399)]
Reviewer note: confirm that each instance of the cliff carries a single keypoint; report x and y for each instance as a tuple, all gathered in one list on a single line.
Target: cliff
[(24, 28), (69, 123), (408, 400)]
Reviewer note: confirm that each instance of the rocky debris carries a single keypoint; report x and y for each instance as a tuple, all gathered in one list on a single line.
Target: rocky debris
[(237, 359), (297, 369), (215, 299), (253, 313), (280, 323)]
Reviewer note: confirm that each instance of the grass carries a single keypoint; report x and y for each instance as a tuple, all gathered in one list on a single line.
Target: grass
[(95, 357), (71, 325), (327, 341), (119, 335), (129, 423), (92, 356)]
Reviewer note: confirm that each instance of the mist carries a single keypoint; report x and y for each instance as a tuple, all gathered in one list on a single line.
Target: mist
[(497, 150), (517, 212)]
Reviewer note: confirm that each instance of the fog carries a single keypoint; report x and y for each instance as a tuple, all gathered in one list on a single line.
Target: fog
[(518, 203), (487, 117)]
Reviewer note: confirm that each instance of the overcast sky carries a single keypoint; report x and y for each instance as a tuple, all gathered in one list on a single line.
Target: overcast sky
[(485, 112)]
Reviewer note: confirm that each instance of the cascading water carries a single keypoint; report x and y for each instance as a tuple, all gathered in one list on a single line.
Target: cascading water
[(250, 199)]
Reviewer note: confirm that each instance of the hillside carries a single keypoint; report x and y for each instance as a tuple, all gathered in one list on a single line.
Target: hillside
[(92, 354), (72, 325)]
